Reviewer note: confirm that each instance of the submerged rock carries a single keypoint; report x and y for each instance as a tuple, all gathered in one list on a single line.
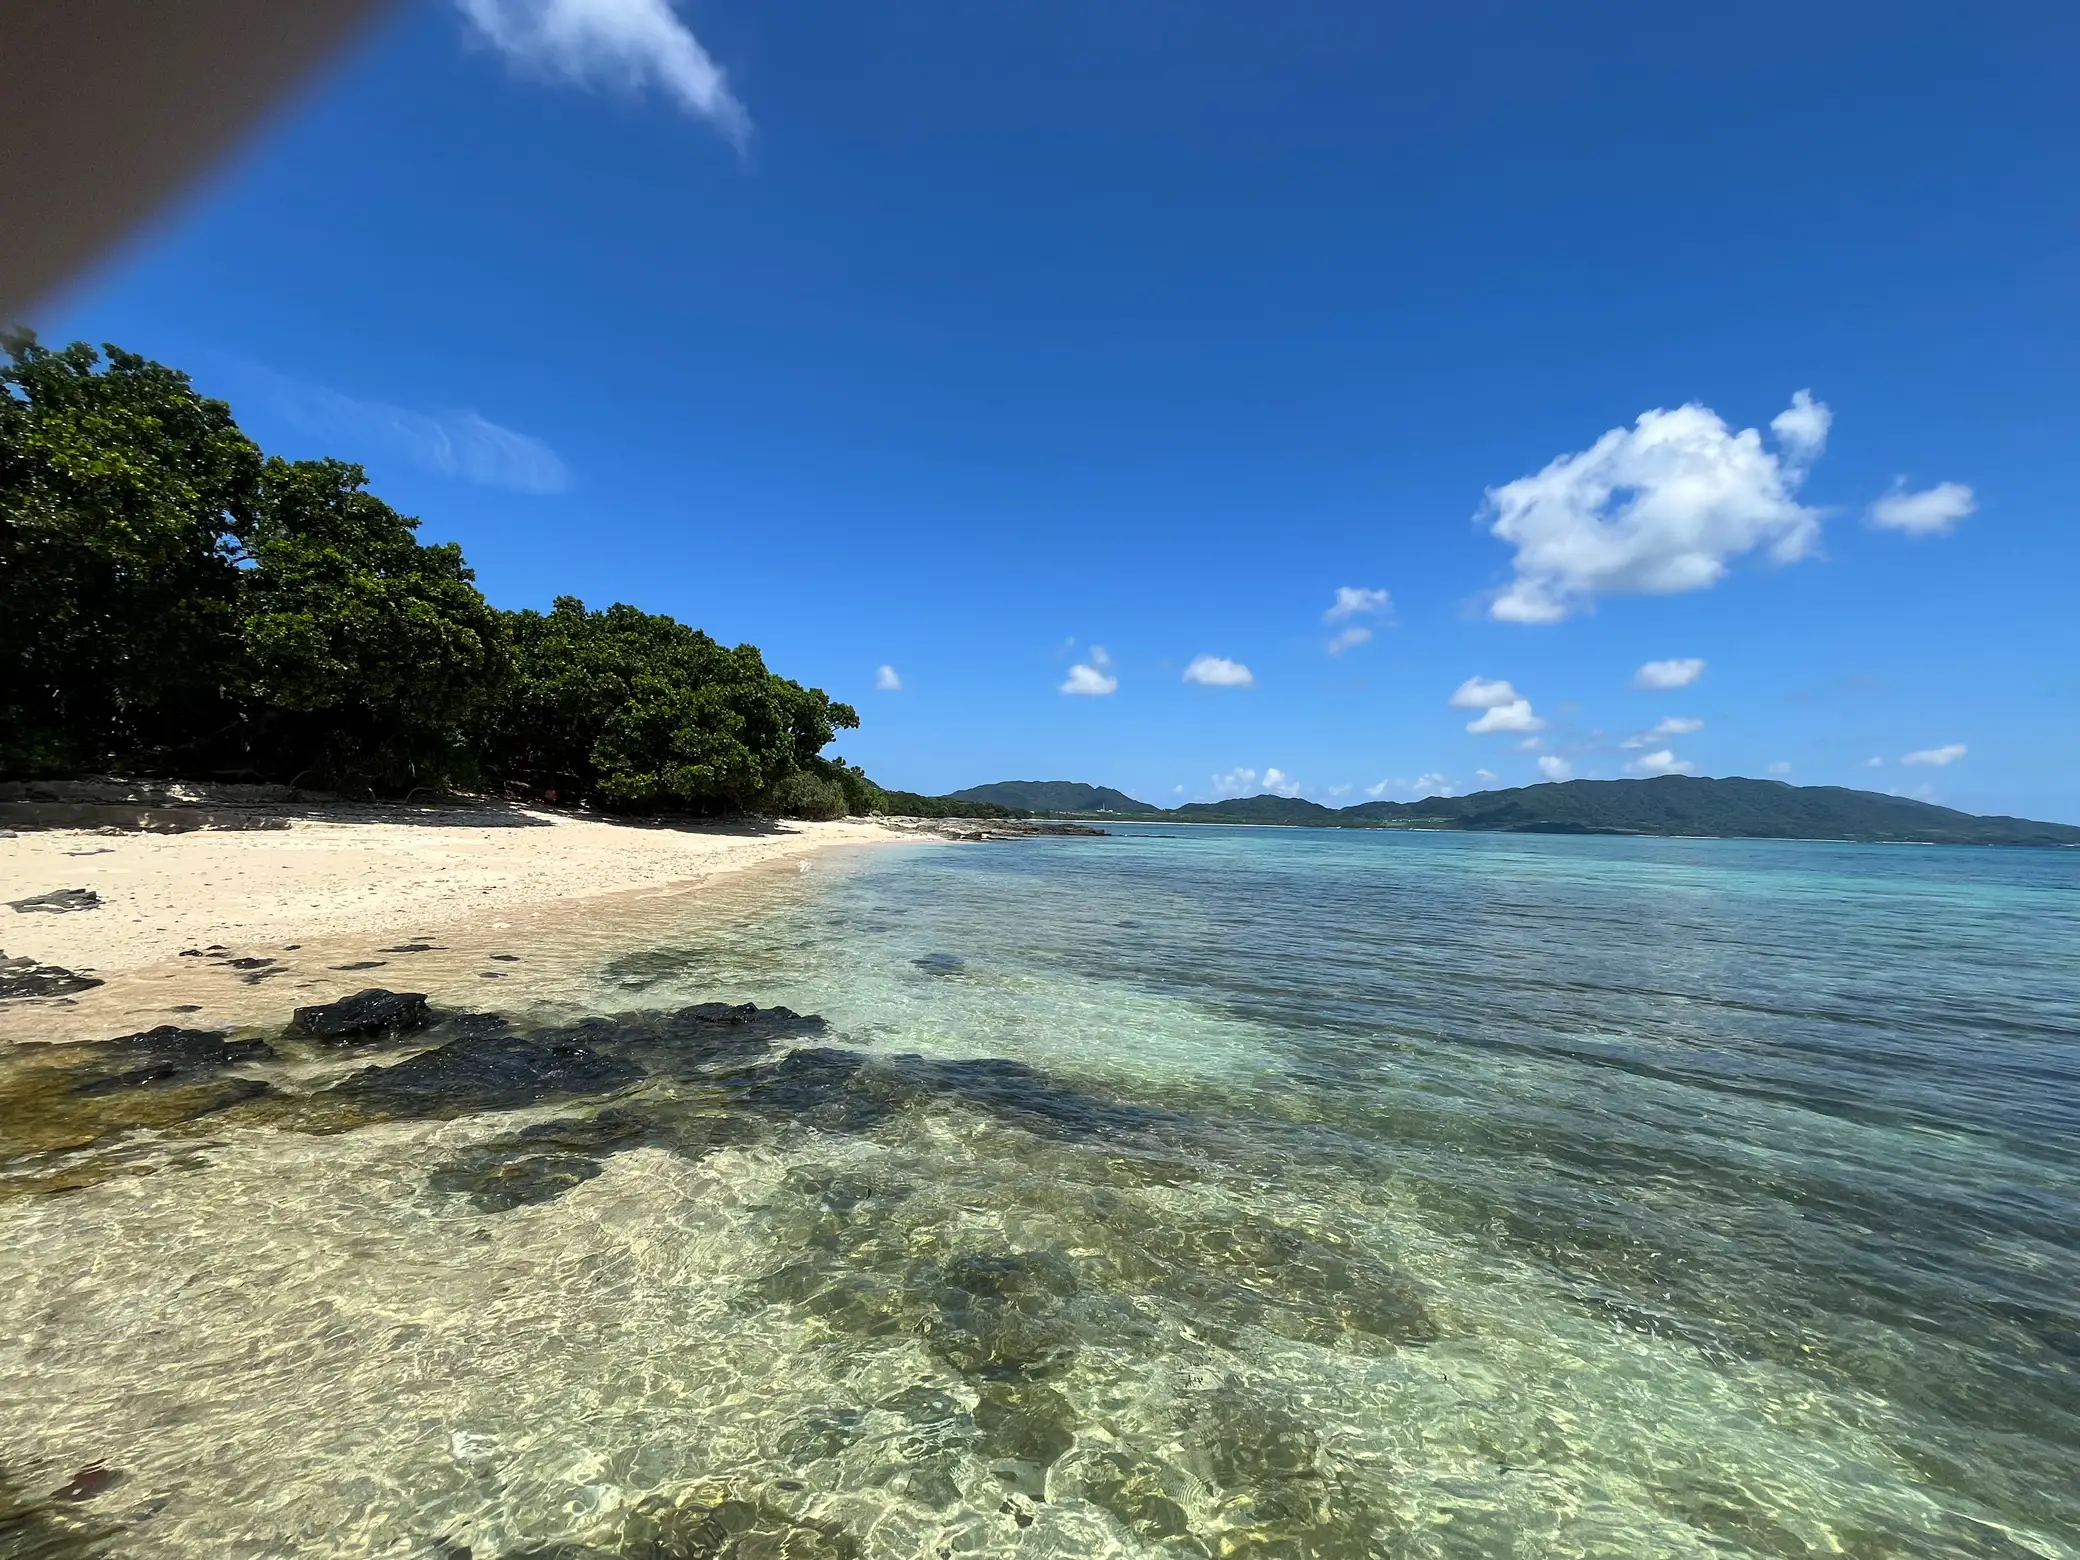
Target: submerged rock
[(168, 1054), (369, 1014), (486, 1072), (727, 1524), (21, 977)]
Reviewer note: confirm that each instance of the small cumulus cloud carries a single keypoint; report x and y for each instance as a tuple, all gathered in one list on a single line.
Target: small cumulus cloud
[(1485, 776), (1092, 678), (1339, 790), (613, 45), (1553, 767), (1281, 783), (1354, 601), (1513, 716), (1672, 726), (1780, 767), (1661, 763), (1502, 707), (1874, 762), (1660, 676), (1236, 782), (1431, 783), (465, 445), (1213, 671), (1939, 757), (1931, 512), (1349, 638), (1657, 509), (886, 680)]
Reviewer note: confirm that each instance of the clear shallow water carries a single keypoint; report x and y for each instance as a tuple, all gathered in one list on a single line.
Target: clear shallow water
[(1367, 1194)]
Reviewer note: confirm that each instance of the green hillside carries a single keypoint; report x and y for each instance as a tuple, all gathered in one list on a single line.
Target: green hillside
[(1054, 796), (1665, 805)]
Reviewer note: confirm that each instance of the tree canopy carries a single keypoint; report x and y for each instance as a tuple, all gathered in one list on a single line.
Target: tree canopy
[(172, 601)]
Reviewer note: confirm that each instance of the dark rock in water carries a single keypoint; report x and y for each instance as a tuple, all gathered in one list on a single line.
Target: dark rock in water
[(1142, 1493), (1000, 1315), (412, 947), (506, 958), (831, 1089), (58, 901), (371, 1013), (922, 1405), (729, 1526), (248, 964), (170, 1054), (604, 1133), (941, 963), (360, 964), (495, 1185), (90, 1481), (21, 977), (488, 1072), (1026, 1097), (691, 1042), (1029, 1424), (824, 1433)]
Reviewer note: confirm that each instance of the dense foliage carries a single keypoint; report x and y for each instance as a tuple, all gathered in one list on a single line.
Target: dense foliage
[(642, 711), (174, 602)]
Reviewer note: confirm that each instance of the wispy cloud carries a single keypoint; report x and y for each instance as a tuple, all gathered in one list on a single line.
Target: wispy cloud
[(1662, 763), (1657, 509), (1660, 676), (1780, 767), (1939, 758), (886, 680), (1354, 601), (1093, 678), (465, 445), (1673, 726), (1931, 512), (612, 45), (1215, 671)]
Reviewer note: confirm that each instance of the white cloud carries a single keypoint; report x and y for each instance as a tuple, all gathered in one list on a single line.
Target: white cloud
[(1661, 763), (1931, 512), (1553, 767), (1780, 767), (1358, 601), (1656, 509), (1673, 726), (1874, 762), (1430, 783), (1801, 428), (1513, 716), (886, 680), (1094, 678), (1481, 693), (1247, 782), (1349, 638), (1939, 757), (1660, 676), (620, 45), (1530, 745), (1217, 672), (461, 444), (1487, 775), (1339, 790)]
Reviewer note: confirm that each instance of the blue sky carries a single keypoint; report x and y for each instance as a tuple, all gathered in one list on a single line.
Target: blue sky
[(986, 343)]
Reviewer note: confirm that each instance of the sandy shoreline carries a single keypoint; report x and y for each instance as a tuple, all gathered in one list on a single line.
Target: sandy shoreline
[(326, 886)]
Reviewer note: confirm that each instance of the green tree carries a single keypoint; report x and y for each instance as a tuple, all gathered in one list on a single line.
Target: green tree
[(126, 500), (639, 711), (365, 650)]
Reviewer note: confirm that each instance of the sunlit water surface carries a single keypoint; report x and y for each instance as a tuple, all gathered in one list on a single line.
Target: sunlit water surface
[(1361, 1194)]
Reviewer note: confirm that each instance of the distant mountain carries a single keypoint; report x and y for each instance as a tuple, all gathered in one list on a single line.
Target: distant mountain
[(1258, 809), (1665, 805), (1054, 796)]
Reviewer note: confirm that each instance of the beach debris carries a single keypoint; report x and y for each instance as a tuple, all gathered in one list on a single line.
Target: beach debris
[(22, 977), (59, 901), (90, 1481), (366, 1015)]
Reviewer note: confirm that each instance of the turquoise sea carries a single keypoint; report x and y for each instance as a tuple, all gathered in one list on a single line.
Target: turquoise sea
[(1190, 1191)]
